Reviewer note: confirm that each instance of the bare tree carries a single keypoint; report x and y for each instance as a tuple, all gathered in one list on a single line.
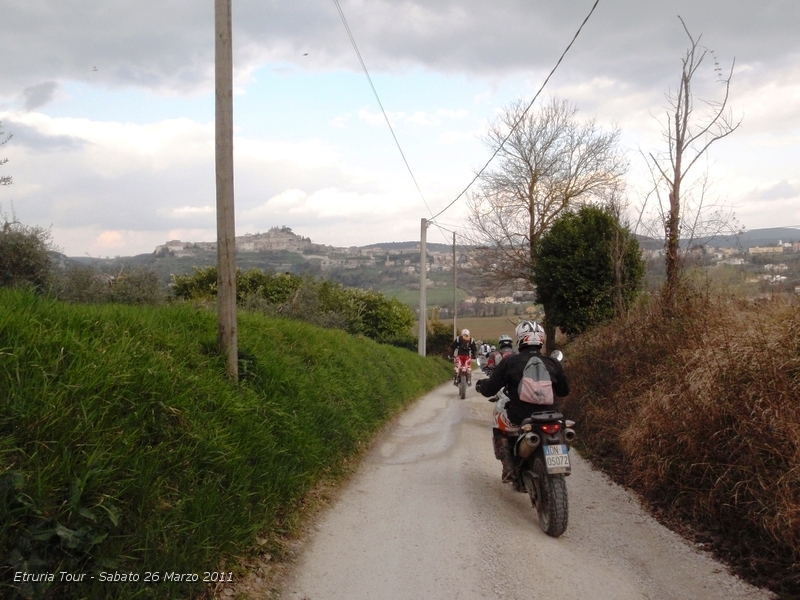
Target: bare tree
[(616, 202), (4, 179), (688, 135), (549, 163)]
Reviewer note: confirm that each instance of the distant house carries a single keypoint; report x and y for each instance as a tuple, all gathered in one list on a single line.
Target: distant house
[(776, 268)]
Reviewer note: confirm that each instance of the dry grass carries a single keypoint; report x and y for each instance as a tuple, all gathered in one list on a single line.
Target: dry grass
[(698, 409)]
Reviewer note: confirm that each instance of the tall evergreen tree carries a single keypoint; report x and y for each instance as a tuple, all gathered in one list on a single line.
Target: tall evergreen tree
[(576, 269)]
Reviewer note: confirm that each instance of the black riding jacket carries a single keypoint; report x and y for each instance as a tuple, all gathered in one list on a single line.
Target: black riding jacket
[(508, 374), (464, 348)]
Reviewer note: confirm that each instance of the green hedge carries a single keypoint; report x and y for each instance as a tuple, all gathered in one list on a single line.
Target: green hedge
[(123, 447)]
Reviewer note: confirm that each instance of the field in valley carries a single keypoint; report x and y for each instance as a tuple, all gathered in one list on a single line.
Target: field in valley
[(484, 328)]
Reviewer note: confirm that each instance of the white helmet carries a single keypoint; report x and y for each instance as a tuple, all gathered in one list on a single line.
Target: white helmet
[(505, 341), (465, 333), (529, 333)]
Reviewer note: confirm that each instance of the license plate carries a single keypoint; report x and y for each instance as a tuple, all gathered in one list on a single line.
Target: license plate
[(556, 458)]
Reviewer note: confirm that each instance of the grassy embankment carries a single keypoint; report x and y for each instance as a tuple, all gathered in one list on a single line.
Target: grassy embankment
[(698, 409), (124, 448)]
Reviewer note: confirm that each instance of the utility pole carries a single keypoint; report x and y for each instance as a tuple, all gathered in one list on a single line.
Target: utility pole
[(423, 277), (226, 228), (455, 290)]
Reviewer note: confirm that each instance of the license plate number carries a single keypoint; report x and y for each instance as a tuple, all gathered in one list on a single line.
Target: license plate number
[(556, 458)]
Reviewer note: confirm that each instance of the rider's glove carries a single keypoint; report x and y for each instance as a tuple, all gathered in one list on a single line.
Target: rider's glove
[(479, 385)]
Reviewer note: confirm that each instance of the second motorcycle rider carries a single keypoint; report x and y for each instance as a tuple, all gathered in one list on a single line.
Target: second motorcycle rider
[(507, 376)]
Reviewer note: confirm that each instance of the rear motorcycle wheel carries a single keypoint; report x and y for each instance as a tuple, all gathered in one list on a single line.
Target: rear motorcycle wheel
[(551, 504), (462, 386)]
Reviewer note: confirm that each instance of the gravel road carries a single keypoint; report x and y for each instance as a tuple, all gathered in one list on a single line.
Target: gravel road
[(426, 516)]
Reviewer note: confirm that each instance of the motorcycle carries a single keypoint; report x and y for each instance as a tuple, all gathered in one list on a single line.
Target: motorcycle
[(463, 374), (540, 454)]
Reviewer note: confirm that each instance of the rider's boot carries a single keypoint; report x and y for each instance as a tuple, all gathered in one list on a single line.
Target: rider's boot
[(507, 460), (498, 445)]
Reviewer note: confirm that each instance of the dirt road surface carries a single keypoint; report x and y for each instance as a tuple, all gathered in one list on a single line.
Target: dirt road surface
[(427, 516)]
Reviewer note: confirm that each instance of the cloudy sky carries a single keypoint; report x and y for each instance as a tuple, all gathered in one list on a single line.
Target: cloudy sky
[(111, 107)]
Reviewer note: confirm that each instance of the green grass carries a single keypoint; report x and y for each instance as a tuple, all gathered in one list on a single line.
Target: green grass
[(124, 447), (434, 297)]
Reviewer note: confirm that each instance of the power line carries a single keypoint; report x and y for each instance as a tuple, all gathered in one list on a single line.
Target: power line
[(521, 117), (375, 92)]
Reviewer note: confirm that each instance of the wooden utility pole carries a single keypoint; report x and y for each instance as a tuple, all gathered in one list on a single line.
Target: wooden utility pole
[(226, 229), (423, 301), (455, 290)]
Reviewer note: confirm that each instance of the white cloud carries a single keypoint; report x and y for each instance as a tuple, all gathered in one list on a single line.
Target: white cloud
[(110, 180), (341, 122), (457, 137), (374, 119), (418, 119), (421, 119), (328, 203), (190, 235), (460, 113), (192, 210)]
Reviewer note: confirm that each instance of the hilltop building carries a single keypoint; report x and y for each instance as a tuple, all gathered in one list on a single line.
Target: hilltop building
[(276, 239)]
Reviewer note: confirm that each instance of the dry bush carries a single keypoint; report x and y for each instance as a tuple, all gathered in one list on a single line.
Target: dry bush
[(698, 409), (88, 285), (25, 254)]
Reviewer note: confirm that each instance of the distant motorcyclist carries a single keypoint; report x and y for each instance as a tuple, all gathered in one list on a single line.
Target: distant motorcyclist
[(507, 376), (505, 345), (493, 360), (464, 349)]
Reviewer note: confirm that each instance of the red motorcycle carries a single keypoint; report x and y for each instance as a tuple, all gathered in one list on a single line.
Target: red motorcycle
[(463, 374)]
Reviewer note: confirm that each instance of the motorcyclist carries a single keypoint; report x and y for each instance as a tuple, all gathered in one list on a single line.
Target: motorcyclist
[(505, 345), (507, 376), (464, 348), (493, 360)]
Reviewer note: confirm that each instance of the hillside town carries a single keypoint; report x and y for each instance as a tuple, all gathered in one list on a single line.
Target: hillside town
[(775, 264), (283, 239)]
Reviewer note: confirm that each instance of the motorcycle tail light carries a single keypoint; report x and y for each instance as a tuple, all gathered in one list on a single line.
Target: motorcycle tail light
[(551, 428)]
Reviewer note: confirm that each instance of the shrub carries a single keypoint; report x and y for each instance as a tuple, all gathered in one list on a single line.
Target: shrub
[(88, 285), (576, 271), (439, 339), (321, 302), (696, 408), (25, 255)]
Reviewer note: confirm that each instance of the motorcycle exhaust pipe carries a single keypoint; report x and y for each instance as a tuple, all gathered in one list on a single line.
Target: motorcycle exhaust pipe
[(527, 444), (569, 435)]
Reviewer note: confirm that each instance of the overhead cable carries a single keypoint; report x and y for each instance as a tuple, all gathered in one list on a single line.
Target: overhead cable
[(522, 116), (375, 92)]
